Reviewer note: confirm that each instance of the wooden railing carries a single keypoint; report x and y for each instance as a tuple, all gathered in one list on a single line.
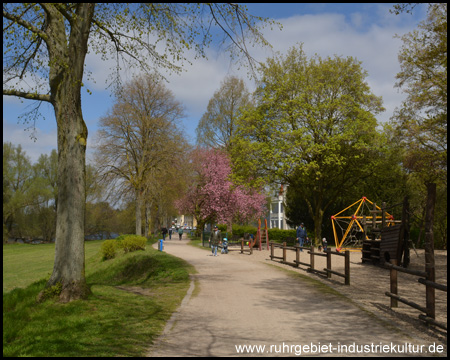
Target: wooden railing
[(429, 310), (310, 266)]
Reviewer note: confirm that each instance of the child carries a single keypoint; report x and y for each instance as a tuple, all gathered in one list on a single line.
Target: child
[(324, 242)]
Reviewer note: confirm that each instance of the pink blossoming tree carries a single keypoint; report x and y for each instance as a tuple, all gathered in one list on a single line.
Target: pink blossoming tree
[(212, 197)]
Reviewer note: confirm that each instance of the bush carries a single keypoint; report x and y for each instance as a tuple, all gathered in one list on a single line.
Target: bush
[(278, 235), (108, 249), (127, 243), (132, 243)]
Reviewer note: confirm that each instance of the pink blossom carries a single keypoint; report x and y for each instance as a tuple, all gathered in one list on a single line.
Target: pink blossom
[(213, 196)]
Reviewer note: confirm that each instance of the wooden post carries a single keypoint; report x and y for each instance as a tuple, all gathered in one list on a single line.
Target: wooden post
[(242, 246), (284, 252), (429, 249), (271, 251), (406, 229), (383, 215), (297, 255), (393, 278), (259, 233), (374, 216), (347, 267), (328, 263), (312, 257)]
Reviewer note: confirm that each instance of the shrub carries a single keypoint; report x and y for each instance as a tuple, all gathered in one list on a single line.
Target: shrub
[(108, 249), (132, 243)]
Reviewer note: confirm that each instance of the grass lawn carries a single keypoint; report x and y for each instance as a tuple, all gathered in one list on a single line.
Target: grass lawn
[(112, 322)]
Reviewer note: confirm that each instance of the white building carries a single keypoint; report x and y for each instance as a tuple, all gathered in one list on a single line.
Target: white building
[(277, 217)]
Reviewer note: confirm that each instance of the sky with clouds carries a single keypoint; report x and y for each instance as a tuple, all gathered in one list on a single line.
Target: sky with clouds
[(363, 31)]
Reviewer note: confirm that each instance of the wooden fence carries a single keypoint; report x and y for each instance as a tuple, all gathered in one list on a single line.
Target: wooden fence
[(429, 310), (310, 266)]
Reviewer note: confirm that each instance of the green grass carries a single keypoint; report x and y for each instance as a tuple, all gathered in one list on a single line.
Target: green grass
[(112, 322)]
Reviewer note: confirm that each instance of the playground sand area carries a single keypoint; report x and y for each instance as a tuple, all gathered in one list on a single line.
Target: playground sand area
[(368, 284)]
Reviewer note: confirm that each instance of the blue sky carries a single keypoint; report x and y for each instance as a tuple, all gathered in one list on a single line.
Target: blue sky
[(363, 31)]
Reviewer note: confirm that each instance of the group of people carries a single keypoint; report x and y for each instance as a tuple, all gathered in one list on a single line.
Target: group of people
[(164, 232), (215, 237), (302, 237)]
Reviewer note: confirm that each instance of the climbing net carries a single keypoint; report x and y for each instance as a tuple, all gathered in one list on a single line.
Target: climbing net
[(348, 229)]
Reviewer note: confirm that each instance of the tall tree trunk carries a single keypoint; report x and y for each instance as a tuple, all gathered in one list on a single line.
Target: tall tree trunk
[(65, 77), (69, 250), (138, 212)]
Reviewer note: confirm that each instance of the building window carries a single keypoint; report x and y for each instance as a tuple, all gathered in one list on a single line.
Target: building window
[(274, 208)]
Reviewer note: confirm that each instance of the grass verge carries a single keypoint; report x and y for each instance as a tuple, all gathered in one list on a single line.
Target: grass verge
[(112, 322)]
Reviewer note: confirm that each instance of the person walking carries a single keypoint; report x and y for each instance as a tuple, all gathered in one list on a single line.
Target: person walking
[(170, 233), (180, 232), (214, 240), (301, 235), (164, 232)]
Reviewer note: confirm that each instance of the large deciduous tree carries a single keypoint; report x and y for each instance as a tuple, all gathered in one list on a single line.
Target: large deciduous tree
[(138, 137), (44, 51), (421, 121), (313, 128)]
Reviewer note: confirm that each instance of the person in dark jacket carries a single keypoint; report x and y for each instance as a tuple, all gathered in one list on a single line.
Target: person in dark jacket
[(215, 239), (164, 232), (301, 235)]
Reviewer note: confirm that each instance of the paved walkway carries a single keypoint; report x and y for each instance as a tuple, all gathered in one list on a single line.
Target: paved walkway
[(241, 302)]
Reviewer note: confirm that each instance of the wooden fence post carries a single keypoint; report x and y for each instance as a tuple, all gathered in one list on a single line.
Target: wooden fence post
[(429, 250), (347, 267), (284, 252), (297, 255), (271, 251), (393, 278), (312, 257), (329, 263)]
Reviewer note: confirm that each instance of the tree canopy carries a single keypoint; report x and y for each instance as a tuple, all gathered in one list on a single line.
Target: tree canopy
[(218, 124), (313, 127)]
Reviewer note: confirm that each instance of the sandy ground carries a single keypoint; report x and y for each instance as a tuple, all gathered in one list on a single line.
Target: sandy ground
[(240, 300), (368, 284)]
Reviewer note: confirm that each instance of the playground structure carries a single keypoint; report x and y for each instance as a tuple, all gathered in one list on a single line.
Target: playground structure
[(258, 238), (354, 227)]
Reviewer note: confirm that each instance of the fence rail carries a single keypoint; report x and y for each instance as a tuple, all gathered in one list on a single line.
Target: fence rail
[(429, 316), (311, 266)]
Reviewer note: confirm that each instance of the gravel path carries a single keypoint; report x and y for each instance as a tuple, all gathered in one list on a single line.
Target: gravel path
[(241, 301)]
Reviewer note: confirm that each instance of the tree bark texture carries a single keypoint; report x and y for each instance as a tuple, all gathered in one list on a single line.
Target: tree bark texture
[(66, 74)]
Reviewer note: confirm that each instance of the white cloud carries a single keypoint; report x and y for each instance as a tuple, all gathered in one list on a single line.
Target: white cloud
[(366, 34), (45, 141)]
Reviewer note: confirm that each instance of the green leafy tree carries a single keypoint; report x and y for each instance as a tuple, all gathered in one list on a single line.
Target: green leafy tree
[(218, 124), (313, 127), (421, 121), (20, 190), (45, 45)]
